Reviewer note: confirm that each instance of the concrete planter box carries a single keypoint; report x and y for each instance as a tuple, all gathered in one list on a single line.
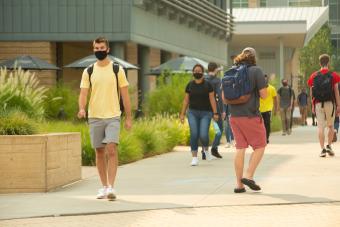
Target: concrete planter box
[(39, 163)]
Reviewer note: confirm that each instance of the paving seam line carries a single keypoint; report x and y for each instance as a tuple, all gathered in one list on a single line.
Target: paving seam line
[(173, 208)]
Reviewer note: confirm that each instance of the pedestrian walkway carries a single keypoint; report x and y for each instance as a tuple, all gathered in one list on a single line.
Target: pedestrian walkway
[(291, 174)]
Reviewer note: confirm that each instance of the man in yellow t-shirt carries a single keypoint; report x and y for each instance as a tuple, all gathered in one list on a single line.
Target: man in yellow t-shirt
[(104, 113), (267, 105)]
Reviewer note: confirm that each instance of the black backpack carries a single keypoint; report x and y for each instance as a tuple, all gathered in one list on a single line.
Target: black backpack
[(322, 87), (115, 67)]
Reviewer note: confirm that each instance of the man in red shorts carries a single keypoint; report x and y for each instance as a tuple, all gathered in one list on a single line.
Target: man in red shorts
[(247, 124), (326, 102)]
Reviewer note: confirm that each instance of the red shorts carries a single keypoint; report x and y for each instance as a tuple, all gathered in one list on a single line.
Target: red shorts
[(248, 131)]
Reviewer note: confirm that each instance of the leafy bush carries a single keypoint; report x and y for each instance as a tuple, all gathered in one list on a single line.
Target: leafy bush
[(15, 122), (21, 90), (130, 148), (168, 96), (147, 137), (275, 124), (61, 103), (151, 138)]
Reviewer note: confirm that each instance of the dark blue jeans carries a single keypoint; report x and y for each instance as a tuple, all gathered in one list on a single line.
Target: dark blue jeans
[(199, 122), (228, 133), (218, 135)]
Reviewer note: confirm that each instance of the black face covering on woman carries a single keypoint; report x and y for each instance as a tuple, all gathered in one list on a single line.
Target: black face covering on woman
[(198, 75)]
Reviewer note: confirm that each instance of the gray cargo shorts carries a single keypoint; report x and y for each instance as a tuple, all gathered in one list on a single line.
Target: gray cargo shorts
[(104, 131)]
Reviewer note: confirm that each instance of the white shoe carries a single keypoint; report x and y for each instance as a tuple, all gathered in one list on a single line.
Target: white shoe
[(227, 145), (111, 193), (102, 193), (208, 155), (194, 161)]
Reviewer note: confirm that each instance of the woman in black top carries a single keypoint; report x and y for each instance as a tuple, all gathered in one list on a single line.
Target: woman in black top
[(199, 96)]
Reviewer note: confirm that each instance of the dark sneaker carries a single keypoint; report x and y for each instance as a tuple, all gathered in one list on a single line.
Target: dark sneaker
[(329, 150), (203, 155), (323, 153), (214, 152), (239, 190)]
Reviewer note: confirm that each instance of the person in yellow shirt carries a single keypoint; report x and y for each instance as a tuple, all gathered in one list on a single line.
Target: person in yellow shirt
[(104, 112), (267, 105)]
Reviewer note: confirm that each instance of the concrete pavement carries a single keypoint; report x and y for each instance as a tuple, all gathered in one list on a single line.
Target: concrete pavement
[(291, 173)]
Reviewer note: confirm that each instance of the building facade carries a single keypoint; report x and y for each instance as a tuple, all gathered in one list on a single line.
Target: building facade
[(278, 29), (334, 12), (143, 32)]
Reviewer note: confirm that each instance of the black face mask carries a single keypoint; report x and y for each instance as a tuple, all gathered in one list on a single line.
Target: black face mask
[(101, 54), (198, 75)]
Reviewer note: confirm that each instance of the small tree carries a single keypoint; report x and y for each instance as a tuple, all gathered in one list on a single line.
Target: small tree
[(309, 56)]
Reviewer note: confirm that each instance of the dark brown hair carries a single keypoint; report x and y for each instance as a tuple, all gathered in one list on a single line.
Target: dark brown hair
[(198, 65), (101, 39), (212, 66), (324, 60), (245, 57)]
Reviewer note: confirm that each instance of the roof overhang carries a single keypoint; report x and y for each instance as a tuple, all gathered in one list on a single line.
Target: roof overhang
[(265, 27)]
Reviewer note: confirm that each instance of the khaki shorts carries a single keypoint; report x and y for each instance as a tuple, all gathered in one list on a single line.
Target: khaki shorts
[(326, 115), (104, 131)]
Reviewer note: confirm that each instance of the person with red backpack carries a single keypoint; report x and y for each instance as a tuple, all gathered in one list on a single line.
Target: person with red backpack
[(326, 102)]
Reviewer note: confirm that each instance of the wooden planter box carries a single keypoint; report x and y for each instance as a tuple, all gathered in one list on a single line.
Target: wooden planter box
[(39, 163)]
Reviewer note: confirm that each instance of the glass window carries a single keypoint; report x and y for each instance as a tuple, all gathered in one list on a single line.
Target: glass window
[(263, 3), (305, 3), (240, 3)]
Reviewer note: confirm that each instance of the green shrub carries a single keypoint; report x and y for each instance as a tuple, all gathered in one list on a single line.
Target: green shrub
[(20, 90), (130, 148), (152, 139), (15, 122), (61, 99), (275, 125), (168, 96)]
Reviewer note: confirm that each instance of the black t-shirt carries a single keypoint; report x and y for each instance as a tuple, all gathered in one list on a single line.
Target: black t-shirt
[(199, 95)]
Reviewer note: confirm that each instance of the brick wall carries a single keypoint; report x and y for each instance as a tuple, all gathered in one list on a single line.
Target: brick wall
[(73, 51), (155, 60), (43, 50), (131, 53)]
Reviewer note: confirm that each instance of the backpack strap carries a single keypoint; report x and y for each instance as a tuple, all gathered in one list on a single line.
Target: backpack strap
[(89, 72), (115, 67)]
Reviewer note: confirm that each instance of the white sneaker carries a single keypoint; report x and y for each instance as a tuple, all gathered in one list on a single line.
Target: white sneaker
[(227, 145), (208, 155), (194, 161), (102, 193), (111, 193)]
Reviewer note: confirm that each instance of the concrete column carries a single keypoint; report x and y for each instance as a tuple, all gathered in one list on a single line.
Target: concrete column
[(282, 60), (117, 49), (165, 56), (59, 61), (144, 64)]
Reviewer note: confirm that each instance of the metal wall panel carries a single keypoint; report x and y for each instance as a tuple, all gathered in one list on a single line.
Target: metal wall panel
[(17, 15), (1, 15), (26, 16), (71, 16), (63, 20)]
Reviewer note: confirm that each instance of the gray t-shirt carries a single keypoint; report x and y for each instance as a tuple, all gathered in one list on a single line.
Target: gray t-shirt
[(216, 84), (251, 108), (286, 94)]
